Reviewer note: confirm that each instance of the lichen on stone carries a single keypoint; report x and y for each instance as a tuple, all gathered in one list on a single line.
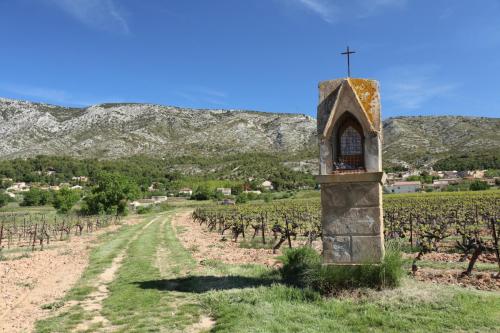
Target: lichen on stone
[(367, 94)]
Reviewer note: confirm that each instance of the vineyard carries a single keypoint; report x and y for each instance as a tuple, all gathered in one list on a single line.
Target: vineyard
[(466, 223), (34, 231)]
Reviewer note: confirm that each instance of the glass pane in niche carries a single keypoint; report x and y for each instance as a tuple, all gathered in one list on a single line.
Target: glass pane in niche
[(350, 142)]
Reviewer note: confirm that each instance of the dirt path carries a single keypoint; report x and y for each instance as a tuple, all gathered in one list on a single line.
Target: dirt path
[(41, 278), (169, 269), (93, 303)]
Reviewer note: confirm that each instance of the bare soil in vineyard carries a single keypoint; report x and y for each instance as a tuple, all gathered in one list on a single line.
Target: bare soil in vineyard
[(209, 245), (446, 268), (440, 268), (32, 282)]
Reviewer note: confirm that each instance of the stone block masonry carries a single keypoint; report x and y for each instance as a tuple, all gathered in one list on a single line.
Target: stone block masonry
[(350, 136)]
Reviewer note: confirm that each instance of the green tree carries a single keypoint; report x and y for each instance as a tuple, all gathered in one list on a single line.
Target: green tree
[(242, 198), (65, 199), (4, 199), (202, 192), (36, 197), (478, 185), (110, 195)]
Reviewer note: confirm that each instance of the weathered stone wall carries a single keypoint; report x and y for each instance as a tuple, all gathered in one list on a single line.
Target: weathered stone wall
[(352, 222)]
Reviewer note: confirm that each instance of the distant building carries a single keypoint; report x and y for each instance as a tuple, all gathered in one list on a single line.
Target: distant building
[(224, 190), (154, 187), (407, 174), (81, 179), (450, 174), (490, 181), (473, 174), (403, 187), (12, 195), (159, 198), (54, 188), (227, 202), (185, 192), (19, 187), (141, 203), (253, 192), (439, 184), (76, 187), (267, 185)]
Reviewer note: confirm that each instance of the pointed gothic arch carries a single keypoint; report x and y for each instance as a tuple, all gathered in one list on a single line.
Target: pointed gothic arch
[(348, 144)]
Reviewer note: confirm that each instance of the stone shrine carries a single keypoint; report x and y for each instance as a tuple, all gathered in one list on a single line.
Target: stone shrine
[(350, 140)]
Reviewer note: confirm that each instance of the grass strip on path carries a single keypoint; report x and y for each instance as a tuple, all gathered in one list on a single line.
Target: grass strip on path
[(101, 257)]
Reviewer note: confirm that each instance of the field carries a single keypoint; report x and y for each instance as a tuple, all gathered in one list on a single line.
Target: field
[(168, 272)]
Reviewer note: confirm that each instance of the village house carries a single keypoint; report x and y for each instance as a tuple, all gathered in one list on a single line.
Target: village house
[(227, 202), (253, 192), (439, 184), (473, 174), (19, 187), (159, 198), (408, 174), (76, 187), (267, 185), (80, 179), (490, 181), (141, 203), (403, 187), (224, 190), (450, 174), (185, 192), (154, 187), (54, 188)]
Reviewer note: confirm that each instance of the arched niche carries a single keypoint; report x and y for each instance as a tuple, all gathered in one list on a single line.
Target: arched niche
[(347, 142)]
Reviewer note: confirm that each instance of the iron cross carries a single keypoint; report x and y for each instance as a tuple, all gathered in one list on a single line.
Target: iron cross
[(348, 54)]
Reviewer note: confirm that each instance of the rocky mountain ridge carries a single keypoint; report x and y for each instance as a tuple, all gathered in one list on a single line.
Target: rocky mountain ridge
[(125, 129)]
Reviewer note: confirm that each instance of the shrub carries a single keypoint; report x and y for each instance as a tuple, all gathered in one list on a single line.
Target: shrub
[(36, 197), (298, 265), (65, 199), (242, 198), (4, 199), (302, 268), (144, 209), (478, 186)]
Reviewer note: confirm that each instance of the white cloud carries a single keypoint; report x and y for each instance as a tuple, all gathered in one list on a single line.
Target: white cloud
[(324, 8), (97, 14), (410, 87), (332, 11)]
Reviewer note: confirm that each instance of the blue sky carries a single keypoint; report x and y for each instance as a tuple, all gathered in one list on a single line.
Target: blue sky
[(432, 57)]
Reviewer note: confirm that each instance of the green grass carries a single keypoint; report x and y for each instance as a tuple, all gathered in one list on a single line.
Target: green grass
[(478, 267), (100, 258), (171, 293), (140, 280), (279, 308)]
